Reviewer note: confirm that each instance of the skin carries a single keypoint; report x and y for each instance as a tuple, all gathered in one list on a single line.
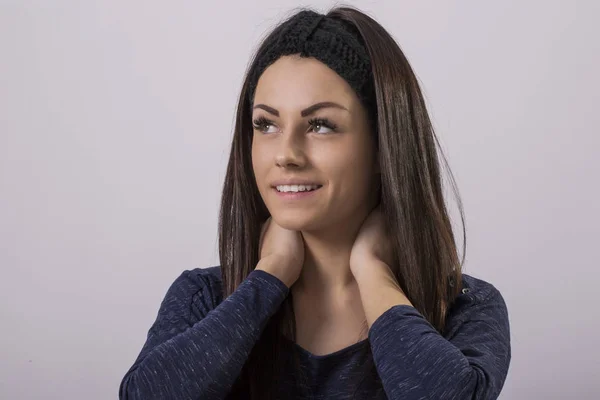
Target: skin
[(330, 247)]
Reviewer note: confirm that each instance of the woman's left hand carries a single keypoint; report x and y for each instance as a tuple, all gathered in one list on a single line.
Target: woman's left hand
[(371, 246), (370, 260)]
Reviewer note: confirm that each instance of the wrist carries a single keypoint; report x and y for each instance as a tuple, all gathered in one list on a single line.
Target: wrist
[(375, 273), (367, 265), (274, 266)]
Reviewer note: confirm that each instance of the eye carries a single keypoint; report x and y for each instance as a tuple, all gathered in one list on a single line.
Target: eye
[(263, 124), (318, 124)]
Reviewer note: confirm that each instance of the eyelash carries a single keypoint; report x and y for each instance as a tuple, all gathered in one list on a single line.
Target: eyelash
[(261, 122)]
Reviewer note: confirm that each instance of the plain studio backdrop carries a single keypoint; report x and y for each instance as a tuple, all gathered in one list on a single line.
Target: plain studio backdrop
[(115, 126)]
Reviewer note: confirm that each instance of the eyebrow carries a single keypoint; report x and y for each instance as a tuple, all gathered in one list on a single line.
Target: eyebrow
[(307, 111)]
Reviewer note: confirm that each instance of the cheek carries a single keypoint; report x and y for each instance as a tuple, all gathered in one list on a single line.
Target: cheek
[(348, 168), (257, 160), (253, 156), (261, 161)]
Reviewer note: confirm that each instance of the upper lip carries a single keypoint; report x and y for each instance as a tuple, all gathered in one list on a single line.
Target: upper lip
[(290, 182)]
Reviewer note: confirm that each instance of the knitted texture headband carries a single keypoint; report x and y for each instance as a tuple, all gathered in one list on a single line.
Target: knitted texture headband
[(311, 34)]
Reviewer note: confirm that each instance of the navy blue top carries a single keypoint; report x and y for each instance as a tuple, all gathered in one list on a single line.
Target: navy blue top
[(199, 344)]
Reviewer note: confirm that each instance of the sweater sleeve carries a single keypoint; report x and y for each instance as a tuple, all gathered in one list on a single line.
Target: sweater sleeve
[(414, 361), (193, 352)]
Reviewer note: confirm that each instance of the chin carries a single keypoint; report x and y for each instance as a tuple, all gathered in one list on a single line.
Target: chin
[(296, 220)]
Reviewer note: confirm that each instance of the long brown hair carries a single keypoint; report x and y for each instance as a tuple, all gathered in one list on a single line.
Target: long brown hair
[(427, 265)]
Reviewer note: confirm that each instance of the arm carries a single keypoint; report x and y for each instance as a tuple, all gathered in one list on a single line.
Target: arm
[(414, 361), (189, 358)]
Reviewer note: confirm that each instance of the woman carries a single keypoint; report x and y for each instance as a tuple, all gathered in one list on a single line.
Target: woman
[(339, 273)]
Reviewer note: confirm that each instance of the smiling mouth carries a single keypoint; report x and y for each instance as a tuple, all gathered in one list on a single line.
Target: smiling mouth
[(297, 188)]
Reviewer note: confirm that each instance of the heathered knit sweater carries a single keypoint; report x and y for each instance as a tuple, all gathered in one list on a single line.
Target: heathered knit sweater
[(200, 342)]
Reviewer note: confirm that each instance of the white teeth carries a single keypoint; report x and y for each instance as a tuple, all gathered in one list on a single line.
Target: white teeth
[(296, 188)]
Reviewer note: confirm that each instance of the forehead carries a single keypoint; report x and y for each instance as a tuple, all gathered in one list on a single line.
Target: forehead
[(293, 82)]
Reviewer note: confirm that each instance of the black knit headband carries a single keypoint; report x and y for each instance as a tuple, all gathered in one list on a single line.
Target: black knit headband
[(311, 34)]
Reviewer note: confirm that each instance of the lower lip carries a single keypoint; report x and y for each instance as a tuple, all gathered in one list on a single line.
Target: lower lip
[(295, 195)]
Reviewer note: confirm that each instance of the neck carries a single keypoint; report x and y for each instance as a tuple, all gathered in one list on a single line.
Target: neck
[(326, 270)]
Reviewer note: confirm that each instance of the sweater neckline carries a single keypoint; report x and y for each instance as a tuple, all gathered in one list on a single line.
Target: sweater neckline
[(346, 350)]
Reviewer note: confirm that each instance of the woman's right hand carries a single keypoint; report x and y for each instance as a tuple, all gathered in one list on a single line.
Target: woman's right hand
[(281, 252)]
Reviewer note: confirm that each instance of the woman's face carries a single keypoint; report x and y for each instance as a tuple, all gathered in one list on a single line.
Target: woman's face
[(313, 153)]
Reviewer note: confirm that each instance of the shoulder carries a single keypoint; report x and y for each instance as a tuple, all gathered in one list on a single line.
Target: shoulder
[(210, 276), (190, 297), (477, 300), (197, 288), (478, 289)]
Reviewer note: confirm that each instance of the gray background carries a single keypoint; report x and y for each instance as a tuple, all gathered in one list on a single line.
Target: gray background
[(115, 125)]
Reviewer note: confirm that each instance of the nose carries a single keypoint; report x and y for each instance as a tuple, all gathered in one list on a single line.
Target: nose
[(290, 153)]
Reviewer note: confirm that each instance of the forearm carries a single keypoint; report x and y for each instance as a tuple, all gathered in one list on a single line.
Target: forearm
[(379, 290), (414, 361), (205, 360)]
